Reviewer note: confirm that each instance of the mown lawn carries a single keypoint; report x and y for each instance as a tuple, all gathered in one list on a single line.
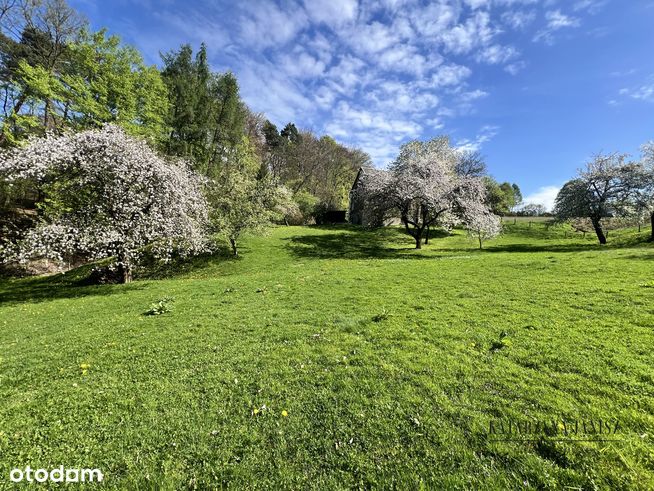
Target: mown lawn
[(390, 363)]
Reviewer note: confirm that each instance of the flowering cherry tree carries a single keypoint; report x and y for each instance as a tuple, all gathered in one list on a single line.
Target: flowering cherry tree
[(107, 195), (422, 185), (482, 225), (603, 189)]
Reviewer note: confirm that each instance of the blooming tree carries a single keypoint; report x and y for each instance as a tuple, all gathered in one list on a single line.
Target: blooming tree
[(482, 225), (603, 189), (424, 187), (107, 195)]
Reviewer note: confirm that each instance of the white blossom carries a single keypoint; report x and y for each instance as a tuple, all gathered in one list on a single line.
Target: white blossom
[(422, 185), (483, 225), (113, 196)]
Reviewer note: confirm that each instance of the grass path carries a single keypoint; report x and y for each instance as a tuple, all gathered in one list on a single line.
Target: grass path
[(390, 364)]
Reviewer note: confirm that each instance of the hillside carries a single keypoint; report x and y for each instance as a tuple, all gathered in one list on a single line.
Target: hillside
[(339, 357)]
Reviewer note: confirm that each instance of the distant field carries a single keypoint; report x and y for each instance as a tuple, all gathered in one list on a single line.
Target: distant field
[(527, 219), (334, 357)]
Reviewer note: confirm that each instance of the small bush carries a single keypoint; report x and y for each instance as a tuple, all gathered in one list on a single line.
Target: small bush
[(306, 203), (382, 316), (500, 343), (161, 307)]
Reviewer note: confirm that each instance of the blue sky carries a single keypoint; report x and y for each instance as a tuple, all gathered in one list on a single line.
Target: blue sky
[(537, 86)]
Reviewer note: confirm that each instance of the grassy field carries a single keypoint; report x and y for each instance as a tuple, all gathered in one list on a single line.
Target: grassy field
[(329, 358)]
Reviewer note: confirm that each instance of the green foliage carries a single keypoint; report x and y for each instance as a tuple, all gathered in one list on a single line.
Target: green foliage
[(501, 342), (160, 307), (502, 198), (318, 166), (307, 204), (290, 134), (271, 135), (241, 198), (381, 316), (207, 116), (98, 81)]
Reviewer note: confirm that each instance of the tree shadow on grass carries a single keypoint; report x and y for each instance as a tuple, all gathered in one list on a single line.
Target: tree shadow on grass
[(76, 283), (153, 269), (359, 243), (527, 248), (42, 289), (622, 243), (351, 242), (640, 257)]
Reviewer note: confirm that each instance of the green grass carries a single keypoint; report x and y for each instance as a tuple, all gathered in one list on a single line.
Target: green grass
[(391, 364)]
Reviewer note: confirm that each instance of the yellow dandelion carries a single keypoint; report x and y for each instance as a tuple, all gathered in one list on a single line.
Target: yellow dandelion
[(84, 372), (85, 366), (285, 413), (255, 411)]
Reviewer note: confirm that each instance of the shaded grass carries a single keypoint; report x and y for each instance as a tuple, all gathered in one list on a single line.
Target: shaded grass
[(388, 368)]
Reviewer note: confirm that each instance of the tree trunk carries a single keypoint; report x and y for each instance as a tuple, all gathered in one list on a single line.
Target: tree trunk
[(416, 233), (124, 273), (124, 268), (651, 218), (598, 230), (232, 242), (427, 236), (480, 243)]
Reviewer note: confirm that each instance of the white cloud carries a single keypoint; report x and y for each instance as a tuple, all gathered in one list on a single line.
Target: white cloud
[(477, 4), (545, 196), (435, 19), (642, 93), (371, 38), (374, 73), (515, 68), (301, 65), (496, 54), (347, 74), (591, 6), (475, 31), (518, 19), (324, 97), (447, 76), (407, 59), (486, 134), (282, 101), (265, 24), (556, 21), (379, 132), (473, 95), (332, 12), (396, 96)]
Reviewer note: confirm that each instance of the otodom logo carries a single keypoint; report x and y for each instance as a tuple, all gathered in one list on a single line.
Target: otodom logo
[(59, 474)]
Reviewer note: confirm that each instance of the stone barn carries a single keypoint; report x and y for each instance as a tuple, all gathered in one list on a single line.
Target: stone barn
[(355, 208), (359, 213)]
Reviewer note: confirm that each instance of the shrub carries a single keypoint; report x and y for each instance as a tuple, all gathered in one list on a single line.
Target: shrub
[(161, 307)]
